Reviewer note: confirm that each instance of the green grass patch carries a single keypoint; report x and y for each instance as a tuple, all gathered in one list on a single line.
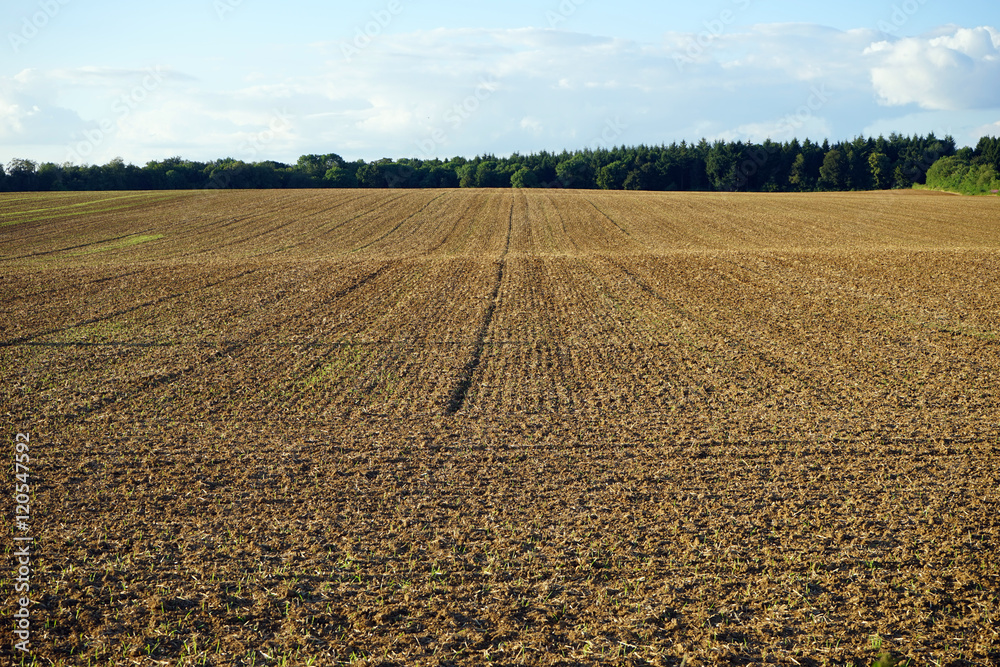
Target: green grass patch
[(81, 208), (59, 216), (120, 244), (95, 332), (343, 360), (65, 206)]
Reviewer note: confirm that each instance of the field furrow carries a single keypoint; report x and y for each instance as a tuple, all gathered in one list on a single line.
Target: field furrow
[(548, 427)]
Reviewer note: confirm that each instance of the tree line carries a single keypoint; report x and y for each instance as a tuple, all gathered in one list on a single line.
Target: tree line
[(861, 164)]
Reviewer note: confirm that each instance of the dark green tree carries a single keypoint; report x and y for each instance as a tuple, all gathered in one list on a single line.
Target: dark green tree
[(230, 174), (22, 175), (489, 176), (896, 161), (340, 177), (646, 177), (900, 180), (721, 165), (576, 172), (832, 175), (524, 178), (798, 177), (466, 175), (114, 175), (440, 177), (880, 166), (401, 174), (316, 166), (612, 176), (988, 152), (50, 178), (370, 176)]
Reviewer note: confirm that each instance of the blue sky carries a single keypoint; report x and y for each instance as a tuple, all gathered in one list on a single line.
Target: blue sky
[(87, 81)]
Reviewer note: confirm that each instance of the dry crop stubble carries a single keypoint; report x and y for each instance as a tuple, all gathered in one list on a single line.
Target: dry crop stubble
[(533, 427)]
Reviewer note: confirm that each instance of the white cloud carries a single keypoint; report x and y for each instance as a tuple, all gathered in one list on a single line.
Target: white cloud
[(28, 116), (784, 129), (766, 53), (953, 71), (532, 125), (991, 130), (470, 91), (965, 126)]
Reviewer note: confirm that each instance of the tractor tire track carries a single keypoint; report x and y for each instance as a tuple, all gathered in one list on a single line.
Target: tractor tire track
[(230, 348), (400, 224), (125, 311), (775, 363), (458, 395)]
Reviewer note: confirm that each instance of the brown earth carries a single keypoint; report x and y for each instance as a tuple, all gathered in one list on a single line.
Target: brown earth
[(496, 427)]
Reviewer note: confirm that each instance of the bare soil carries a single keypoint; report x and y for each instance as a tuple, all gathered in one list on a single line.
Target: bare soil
[(495, 427)]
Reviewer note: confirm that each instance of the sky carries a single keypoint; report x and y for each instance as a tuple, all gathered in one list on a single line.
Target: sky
[(86, 81)]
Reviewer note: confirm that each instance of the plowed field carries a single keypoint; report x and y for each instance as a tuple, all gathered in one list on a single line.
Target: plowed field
[(503, 427)]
